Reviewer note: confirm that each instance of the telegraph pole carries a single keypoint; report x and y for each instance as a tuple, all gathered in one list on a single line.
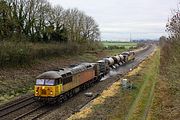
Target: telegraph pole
[(130, 37)]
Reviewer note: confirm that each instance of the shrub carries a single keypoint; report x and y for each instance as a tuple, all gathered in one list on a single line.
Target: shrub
[(24, 53)]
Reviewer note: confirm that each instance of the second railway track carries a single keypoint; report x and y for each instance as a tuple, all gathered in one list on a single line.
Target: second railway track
[(32, 115), (9, 111)]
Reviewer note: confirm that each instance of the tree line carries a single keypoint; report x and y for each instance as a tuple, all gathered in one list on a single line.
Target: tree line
[(173, 25), (172, 28), (38, 20)]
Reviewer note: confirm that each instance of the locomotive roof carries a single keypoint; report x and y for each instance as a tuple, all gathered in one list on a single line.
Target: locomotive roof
[(60, 73), (49, 75), (64, 72), (81, 67)]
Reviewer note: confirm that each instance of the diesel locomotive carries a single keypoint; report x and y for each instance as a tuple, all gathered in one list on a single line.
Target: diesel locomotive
[(60, 84)]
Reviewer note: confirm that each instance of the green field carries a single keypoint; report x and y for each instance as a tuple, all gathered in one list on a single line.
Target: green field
[(119, 44)]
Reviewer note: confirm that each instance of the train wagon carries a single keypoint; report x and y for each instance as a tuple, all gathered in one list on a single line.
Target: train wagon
[(121, 59), (103, 67), (128, 56), (111, 61), (116, 59)]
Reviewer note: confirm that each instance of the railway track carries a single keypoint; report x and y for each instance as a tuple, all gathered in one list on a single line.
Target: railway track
[(32, 113), (29, 109), (16, 106), (26, 108)]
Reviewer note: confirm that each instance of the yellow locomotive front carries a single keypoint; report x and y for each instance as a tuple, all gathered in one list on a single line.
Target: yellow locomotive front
[(47, 86)]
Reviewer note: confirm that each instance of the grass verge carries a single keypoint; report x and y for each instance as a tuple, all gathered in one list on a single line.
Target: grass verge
[(119, 104), (166, 101), (140, 107)]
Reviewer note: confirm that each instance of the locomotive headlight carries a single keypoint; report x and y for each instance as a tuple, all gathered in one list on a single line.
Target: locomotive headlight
[(51, 92)]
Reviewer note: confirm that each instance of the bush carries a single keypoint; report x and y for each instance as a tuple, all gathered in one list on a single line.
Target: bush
[(110, 47), (24, 53), (122, 47), (169, 76)]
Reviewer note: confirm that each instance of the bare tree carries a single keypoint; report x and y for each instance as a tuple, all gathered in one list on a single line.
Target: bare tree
[(39, 21), (173, 25), (81, 27)]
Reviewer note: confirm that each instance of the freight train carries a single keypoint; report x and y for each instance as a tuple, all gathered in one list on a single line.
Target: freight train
[(60, 84)]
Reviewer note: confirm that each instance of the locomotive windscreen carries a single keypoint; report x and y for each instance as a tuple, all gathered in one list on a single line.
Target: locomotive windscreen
[(44, 82)]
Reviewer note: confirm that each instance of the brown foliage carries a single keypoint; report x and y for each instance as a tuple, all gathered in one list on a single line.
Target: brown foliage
[(168, 87)]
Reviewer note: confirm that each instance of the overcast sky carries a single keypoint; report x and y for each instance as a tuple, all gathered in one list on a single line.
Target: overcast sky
[(120, 19)]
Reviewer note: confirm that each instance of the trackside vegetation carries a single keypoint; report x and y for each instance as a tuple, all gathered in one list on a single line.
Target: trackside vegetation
[(166, 102), (14, 54), (118, 44), (34, 29)]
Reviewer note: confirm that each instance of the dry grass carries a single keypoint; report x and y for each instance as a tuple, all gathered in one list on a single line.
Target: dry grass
[(141, 105), (166, 102), (95, 103)]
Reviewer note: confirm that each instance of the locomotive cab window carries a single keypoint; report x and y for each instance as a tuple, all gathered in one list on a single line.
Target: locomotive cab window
[(49, 82), (45, 82), (67, 80), (40, 82), (58, 81)]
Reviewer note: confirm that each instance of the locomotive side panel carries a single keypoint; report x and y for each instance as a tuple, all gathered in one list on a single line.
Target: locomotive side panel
[(87, 75), (79, 79), (74, 82)]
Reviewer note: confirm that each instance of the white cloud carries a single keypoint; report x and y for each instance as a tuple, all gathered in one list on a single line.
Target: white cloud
[(125, 16)]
